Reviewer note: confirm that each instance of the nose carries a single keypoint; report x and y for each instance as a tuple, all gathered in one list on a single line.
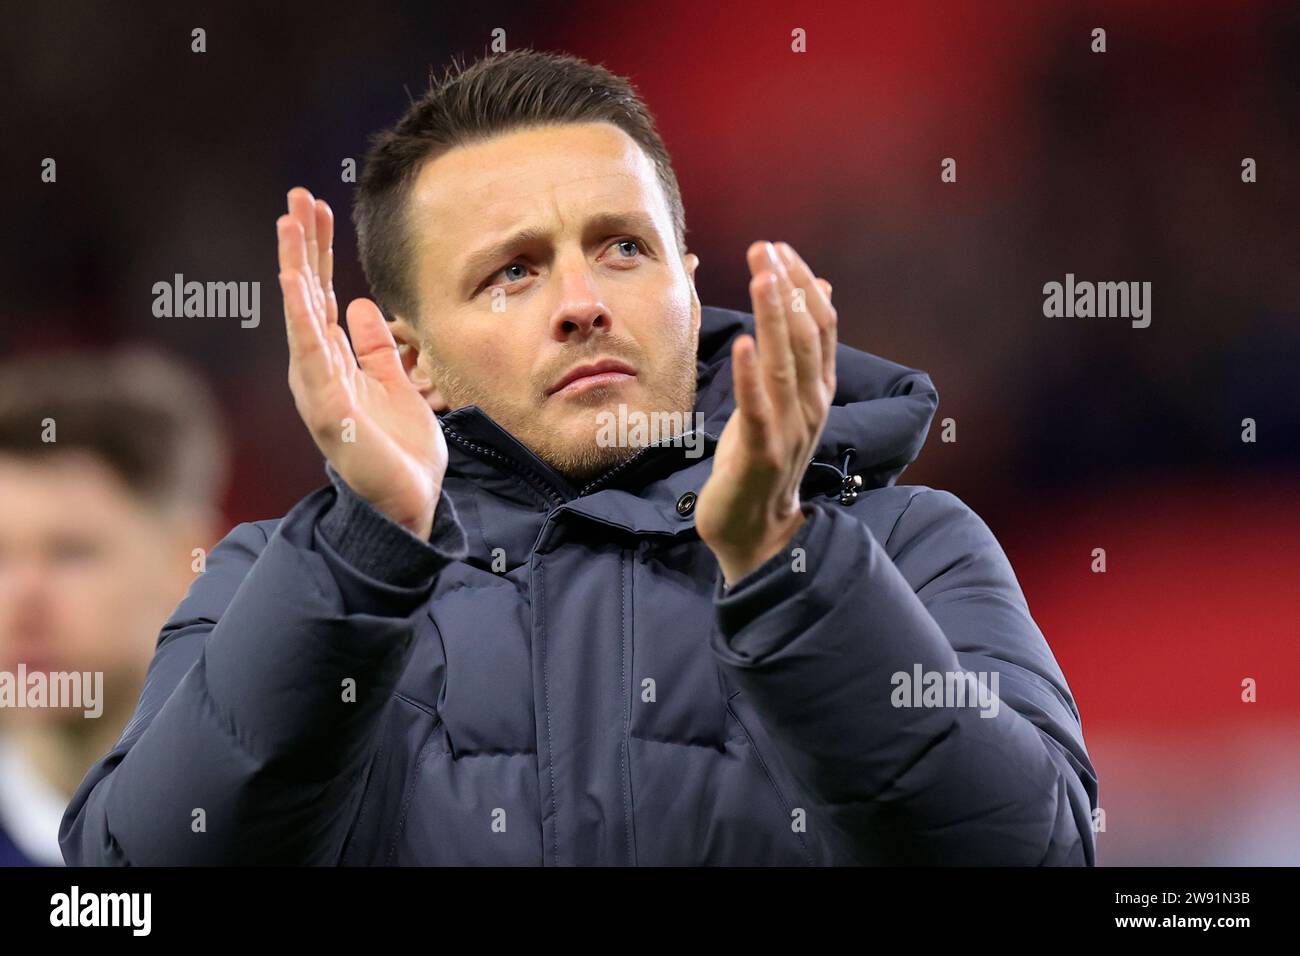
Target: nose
[(581, 311)]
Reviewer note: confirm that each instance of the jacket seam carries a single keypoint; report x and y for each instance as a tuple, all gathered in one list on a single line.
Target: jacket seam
[(419, 705), (123, 860), (224, 721), (363, 802), (624, 595), (536, 482), (776, 787), (899, 519), (410, 791), (546, 712), (707, 745), (472, 501), (1062, 790)]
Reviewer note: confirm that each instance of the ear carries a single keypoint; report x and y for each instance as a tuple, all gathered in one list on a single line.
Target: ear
[(415, 361), (691, 262)]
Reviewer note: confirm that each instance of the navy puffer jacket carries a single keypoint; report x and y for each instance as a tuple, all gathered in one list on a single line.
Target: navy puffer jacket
[(558, 677)]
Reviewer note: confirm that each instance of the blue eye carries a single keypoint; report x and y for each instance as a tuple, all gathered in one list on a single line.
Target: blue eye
[(627, 248)]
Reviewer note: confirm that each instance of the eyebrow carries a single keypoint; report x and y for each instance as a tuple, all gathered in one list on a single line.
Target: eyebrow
[(477, 263)]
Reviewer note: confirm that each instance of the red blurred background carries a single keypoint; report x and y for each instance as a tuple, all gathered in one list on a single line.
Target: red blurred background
[(1072, 434)]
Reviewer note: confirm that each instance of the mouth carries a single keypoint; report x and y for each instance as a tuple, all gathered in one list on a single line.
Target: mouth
[(592, 375)]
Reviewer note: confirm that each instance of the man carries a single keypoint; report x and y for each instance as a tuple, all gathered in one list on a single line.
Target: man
[(507, 633), (110, 467)]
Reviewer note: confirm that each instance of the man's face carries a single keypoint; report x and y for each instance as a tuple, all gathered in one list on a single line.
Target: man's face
[(88, 574), (534, 253)]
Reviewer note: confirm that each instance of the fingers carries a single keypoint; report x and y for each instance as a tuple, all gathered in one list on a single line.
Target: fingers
[(775, 356), (309, 354), (830, 340), (293, 248), (313, 351), (325, 244), (818, 297), (747, 382), (804, 333), (319, 352), (789, 338), (293, 258), (775, 359), (302, 315), (302, 207), (373, 343)]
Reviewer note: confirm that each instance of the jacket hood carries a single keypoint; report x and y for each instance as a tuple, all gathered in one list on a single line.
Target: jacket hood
[(878, 418), (875, 428)]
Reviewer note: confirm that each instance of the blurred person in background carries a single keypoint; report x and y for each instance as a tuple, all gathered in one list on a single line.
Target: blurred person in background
[(111, 467)]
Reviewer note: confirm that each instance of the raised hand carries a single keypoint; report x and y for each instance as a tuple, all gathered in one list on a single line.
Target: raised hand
[(374, 426), (749, 508)]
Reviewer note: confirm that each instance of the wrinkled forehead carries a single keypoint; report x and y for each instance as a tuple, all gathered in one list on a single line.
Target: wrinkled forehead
[(549, 178)]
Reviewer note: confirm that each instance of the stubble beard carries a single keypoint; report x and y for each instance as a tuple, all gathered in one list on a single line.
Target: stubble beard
[(577, 458)]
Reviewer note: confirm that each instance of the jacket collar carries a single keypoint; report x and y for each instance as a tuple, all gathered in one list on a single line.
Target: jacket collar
[(641, 494), (878, 421)]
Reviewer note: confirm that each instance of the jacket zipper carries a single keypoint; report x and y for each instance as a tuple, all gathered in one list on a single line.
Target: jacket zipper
[(535, 480), (607, 476)]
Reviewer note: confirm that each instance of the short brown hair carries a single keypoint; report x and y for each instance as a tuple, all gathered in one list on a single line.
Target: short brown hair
[(150, 419), (494, 95)]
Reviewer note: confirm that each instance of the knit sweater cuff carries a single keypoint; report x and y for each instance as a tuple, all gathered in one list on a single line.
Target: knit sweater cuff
[(381, 548)]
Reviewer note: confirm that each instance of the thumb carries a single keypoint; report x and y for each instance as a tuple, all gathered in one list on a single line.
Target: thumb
[(373, 343)]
